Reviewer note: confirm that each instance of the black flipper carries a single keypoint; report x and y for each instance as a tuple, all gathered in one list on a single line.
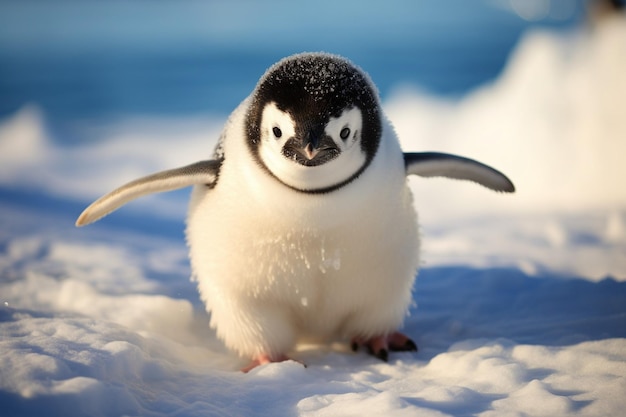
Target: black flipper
[(203, 172), (436, 164)]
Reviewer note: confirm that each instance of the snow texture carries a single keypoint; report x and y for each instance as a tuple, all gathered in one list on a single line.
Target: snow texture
[(520, 307)]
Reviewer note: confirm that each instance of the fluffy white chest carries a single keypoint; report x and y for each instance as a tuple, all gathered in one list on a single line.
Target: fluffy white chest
[(327, 262)]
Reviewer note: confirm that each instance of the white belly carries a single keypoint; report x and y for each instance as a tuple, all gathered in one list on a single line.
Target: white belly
[(275, 266)]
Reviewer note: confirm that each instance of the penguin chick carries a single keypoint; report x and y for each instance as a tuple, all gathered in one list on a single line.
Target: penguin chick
[(302, 226)]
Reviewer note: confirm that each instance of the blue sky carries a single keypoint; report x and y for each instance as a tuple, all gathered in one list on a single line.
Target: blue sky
[(92, 59)]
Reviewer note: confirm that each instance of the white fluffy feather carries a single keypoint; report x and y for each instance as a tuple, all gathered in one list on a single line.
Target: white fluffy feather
[(275, 265)]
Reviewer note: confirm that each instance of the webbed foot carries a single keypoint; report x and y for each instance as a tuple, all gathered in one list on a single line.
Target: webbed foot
[(265, 359), (380, 346)]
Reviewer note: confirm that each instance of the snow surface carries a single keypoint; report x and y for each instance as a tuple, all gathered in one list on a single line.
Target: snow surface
[(520, 307)]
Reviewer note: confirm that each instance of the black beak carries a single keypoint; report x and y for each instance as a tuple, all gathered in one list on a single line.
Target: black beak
[(312, 147)]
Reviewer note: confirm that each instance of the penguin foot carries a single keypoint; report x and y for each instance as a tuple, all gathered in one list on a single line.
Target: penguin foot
[(265, 359), (380, 346)]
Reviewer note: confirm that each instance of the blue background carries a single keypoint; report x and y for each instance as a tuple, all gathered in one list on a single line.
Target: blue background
[(101, 61)]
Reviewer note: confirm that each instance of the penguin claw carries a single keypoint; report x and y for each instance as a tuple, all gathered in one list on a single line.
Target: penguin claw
[(399, 342), (380, 346), (409, 346), (382, 354)]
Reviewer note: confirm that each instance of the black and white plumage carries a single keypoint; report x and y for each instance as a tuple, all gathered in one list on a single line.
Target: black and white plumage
[(302, 227)]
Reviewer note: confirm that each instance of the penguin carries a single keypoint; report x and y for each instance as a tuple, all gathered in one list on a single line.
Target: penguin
[(301, 227)]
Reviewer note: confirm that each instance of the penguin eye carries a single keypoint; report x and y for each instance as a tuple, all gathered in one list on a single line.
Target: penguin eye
[(345, 132), (277, 132)]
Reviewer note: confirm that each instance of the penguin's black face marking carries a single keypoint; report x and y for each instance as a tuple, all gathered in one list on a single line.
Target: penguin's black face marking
[(314, 122)]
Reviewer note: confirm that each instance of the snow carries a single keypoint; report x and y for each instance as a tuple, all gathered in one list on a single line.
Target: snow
[(553, 122), (520, 306)]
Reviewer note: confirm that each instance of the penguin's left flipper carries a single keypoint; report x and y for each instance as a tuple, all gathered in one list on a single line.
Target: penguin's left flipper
[(203, 172), (436, 164)]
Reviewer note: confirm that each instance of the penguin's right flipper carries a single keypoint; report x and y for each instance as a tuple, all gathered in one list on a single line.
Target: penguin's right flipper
[(203, 172), (437, 164)]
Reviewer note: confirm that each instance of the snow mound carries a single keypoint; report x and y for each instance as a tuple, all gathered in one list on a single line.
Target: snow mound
[(553, 122)]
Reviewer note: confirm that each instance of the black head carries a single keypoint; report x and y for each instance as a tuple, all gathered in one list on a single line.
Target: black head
[(314, 122)]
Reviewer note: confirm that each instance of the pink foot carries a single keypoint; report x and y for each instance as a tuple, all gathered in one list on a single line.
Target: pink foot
[(380, 346), (265, 359)]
